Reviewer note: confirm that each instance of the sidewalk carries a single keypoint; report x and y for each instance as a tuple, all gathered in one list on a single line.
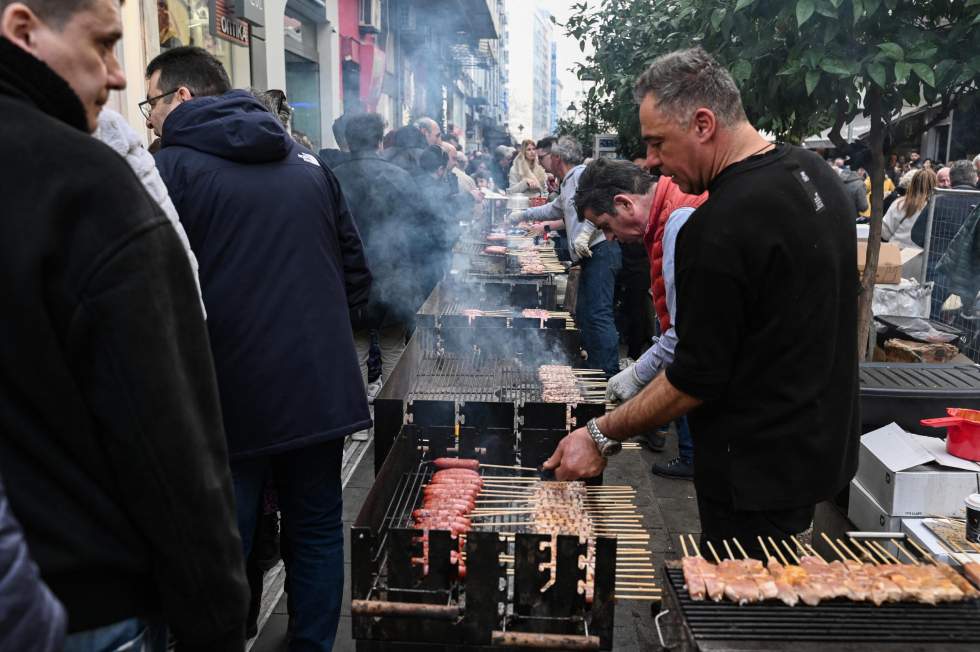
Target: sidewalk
[(669, 509)]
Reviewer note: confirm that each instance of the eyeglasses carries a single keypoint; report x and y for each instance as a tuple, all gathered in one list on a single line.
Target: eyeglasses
[(146, 106)]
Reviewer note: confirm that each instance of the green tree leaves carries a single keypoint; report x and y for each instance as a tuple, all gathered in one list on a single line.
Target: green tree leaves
[(804, 9)]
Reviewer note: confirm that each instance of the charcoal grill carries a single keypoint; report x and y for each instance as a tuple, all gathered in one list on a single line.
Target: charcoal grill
[(447, 302), (469, 256), (460, 376), (529, 292), (685, 624), (397, 607)]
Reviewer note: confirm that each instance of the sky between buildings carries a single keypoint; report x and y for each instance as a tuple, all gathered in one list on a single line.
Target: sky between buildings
[(521, 47)]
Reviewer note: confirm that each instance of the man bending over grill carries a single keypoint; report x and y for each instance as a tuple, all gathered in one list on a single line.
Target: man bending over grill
[(766, 359), (629, 205)]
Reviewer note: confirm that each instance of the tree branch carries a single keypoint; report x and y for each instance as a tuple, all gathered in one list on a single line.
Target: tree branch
[(839, 122)]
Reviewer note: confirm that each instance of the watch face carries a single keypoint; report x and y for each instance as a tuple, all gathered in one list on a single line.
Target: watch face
[(611, 448)]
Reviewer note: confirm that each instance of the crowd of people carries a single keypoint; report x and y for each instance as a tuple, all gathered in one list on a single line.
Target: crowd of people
[(900, 173), (199, 330)]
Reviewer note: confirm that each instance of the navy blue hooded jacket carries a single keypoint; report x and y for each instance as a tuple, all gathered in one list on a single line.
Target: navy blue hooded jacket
[(31, 619), (281, 263)]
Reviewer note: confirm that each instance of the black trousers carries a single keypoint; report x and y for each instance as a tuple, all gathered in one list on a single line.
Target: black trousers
[(720, 522)]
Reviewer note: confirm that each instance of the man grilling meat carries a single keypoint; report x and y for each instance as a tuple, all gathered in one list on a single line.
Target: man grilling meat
[(766, 361)]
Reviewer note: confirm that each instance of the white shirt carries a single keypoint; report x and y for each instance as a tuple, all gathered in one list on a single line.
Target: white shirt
[(563, 208)]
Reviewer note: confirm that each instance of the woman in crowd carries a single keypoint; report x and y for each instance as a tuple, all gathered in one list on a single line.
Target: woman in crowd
[(897, 224), (527, 177)]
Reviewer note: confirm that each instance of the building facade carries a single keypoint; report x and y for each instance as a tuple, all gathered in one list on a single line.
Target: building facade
[(404, 59), (531, 78)]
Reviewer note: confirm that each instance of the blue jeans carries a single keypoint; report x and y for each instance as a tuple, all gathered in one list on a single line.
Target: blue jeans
[(131, 635), (594, 311), (311, 502), (685, 443)]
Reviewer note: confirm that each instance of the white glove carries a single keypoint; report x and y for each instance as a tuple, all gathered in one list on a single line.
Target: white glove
[(624, 385), (581, 243)]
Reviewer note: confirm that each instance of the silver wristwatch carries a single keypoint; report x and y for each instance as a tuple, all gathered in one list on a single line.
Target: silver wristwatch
[(607, 447)]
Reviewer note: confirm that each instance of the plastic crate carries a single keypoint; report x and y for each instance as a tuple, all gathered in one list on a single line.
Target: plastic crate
[(908, 392)]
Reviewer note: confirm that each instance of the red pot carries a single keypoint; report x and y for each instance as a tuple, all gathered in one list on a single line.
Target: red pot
[(962, 432)]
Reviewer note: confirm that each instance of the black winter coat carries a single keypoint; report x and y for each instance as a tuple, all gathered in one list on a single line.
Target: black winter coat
[(396, 224), (111, 443), (281, 263)]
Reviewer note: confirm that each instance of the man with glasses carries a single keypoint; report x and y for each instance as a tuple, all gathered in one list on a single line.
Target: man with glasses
[(282, 269), (111, 441)]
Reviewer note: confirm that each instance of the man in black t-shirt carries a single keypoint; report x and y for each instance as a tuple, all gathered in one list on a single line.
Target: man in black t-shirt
[(767, 288)]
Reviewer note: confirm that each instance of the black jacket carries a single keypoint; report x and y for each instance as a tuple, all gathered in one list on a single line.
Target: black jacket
[(280, 265), (111, 442), (395, 222)]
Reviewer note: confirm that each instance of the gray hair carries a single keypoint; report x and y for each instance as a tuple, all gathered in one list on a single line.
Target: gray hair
[(962, 173), (686, 80), (568, 150), (275, 101), (906, 179), (427, 124)]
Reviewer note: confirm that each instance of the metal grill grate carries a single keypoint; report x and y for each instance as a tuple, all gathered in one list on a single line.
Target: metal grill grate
[(948, 213), (837, 621), (476, 377)]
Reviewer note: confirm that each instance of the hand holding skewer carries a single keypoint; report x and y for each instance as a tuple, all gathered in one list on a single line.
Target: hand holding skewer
[(575, 457)]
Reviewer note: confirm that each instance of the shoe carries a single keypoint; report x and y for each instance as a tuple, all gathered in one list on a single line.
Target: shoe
[(373, 389), (676, 468), (360, 435), (654, 441)]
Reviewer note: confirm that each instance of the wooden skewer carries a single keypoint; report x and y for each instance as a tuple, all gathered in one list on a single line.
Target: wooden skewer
[(740, 548), (765, 550), (695, 547), (882, 551), (714, 553), (866, 551), (830, 543), (868, 544), (974, 545), (799, 546), (504, 466), (778, 551), (650, 584), (813, 552), (850, 552), (684, 546), (634, 576), (728, 549), (923, 552), (637, 597), (790, 551), (898, 544)]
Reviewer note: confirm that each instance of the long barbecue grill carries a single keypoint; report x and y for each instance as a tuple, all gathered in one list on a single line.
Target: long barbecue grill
[(686, 624), (467, 375), (519, 590)]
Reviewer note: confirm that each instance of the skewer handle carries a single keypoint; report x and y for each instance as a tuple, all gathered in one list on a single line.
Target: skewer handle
[(404, 609), (545, 641)]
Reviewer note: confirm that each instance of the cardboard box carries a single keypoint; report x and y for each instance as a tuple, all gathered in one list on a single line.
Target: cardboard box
[(912, 475), (911, 262), (867, 515), (915, 529), (889, 262), (908, 351)]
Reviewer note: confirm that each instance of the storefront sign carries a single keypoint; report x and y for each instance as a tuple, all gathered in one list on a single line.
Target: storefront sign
[(251, 10), (225, 24)]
